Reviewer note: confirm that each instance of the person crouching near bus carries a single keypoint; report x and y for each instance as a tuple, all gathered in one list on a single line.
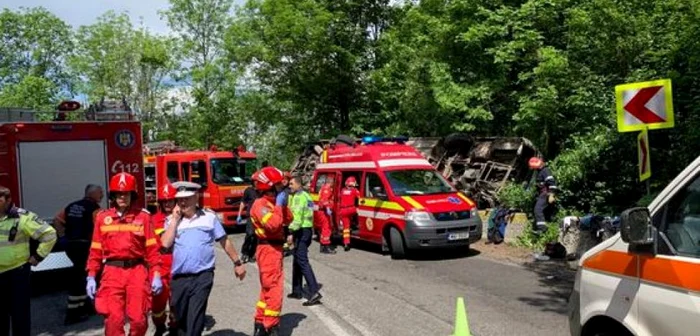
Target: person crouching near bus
[(349, 198), (166, 203), (124, 242), (269, 214)]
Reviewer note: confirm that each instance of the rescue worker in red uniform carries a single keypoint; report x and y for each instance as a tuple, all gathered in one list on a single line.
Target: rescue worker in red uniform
[(324, 216), (349, 200), (125, 242), (269, 215), (166, 203)]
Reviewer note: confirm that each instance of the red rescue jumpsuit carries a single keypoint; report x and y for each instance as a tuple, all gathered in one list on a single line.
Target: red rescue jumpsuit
[(160, 301), (325, 201), (124, 242), (268, 221), (348, 209)]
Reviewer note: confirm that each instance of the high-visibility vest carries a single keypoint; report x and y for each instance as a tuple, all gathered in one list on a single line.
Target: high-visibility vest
[(25, 225), (301, 205)]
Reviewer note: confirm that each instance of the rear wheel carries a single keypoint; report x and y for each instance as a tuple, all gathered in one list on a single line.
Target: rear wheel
[(398, 247)]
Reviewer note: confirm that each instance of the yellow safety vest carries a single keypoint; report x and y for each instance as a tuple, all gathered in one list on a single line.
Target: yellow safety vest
[(26, 225)]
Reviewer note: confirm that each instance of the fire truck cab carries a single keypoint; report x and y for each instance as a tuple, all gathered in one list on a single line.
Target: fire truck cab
[(46, 165), (405, 203), (223, 175)]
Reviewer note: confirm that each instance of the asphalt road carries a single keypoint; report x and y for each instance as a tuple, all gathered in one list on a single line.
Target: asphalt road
[(367, 293)]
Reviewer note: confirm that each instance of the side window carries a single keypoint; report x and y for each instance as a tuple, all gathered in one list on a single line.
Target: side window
[(347, 174), (185, 171), (321, 180), (199, 172), (373, 186), (682, 220), (172, 171)]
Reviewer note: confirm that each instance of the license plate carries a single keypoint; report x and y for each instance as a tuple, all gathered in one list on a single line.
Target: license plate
[(458, 236)]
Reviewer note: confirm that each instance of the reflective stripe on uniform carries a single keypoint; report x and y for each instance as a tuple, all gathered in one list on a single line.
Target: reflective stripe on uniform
[(158, 314), (151, 242), (261, 304), (266, 217), (273, 313), (38, 232), (121, 228), (159, 231), (260, 231), (96, 245)]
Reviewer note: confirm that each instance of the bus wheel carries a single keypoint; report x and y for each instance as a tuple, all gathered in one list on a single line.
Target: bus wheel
[(398, 248)]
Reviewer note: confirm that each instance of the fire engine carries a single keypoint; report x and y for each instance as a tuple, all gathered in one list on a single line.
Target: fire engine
[(47, 164), (405, 204), (223, 175)]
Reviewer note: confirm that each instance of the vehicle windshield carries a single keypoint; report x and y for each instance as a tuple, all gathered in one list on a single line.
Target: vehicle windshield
[(231, 171), (417, 182)]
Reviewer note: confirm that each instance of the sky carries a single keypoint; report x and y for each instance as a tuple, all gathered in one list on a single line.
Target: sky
[(84, 12)]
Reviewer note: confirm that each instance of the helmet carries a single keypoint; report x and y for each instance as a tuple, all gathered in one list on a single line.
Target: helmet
[(267, 177), (167, 192), (122, 182), (535, 163), (350, 181)]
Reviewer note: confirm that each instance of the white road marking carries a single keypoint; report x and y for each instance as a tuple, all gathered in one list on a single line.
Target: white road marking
[(327, 320)]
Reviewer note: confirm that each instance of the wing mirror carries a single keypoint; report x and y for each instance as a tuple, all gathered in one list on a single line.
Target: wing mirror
[(635, 226)]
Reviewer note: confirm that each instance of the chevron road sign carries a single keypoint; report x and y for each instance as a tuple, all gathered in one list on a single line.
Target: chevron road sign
[(644, 105)]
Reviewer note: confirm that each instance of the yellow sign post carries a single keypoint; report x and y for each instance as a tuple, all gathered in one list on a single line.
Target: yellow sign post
[(644, 105), (643, 155)]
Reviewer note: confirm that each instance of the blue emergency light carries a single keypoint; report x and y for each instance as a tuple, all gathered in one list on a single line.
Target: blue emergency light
[(368, 140)]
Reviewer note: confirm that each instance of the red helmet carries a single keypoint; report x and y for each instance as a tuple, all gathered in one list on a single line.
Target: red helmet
[(122, 182), (535, 163), (167, 192), (351, 181), (267, 177)]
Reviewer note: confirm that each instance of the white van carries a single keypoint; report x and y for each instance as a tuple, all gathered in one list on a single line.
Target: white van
[(646, 279)]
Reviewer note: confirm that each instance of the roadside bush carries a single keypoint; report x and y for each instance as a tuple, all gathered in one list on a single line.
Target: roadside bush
[(514, 195)]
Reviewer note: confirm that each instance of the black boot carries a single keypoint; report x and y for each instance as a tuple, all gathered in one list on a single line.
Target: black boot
[(327, 250), (314, 300), (260, 330), (273, 331), (347, 248)]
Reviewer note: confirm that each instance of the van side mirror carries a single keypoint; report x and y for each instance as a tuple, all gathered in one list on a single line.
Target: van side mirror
[(635, 226)]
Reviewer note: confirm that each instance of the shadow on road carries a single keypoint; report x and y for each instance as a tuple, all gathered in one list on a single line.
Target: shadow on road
[(287, 325), (418, 255), (556, 280)]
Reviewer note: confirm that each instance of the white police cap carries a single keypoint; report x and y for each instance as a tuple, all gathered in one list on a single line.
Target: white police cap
[(186, 189)]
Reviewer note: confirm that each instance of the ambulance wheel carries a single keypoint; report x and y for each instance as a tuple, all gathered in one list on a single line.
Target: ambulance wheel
[(398, 248)]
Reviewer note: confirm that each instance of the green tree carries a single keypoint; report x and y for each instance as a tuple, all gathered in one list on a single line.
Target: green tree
[(34, 45), (106, 57)]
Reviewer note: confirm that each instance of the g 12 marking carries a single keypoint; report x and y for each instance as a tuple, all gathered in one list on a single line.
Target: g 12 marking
[(121, 167)]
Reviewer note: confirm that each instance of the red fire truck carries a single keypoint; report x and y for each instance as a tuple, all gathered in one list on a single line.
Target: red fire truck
[(223, 175), (47, 165)]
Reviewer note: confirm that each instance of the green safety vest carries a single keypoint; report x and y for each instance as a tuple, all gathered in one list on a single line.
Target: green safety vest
[(15, 253), (301, 205)]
